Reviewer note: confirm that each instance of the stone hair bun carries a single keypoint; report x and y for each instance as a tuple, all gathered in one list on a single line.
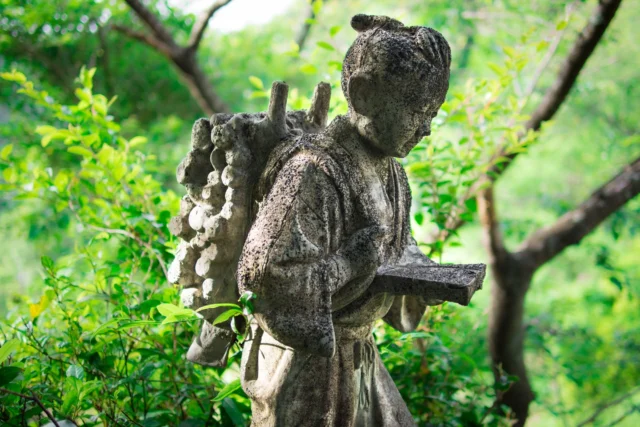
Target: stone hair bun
[(434, 46), (362, 22)]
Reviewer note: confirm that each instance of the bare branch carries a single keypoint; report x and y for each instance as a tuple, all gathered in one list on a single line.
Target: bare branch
[(550, 52), (152, 22), (491, 226), (35, 399), (608, 405), (201, 23), (301, 38), (548, 242), (183, 58), (147, 39), (587, 41), (574, 62)]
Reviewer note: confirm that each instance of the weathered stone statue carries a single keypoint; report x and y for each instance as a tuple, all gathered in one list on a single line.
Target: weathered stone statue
[(314, 222)]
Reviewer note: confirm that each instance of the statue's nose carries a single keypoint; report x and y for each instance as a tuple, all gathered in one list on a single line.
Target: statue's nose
[(425, 129)]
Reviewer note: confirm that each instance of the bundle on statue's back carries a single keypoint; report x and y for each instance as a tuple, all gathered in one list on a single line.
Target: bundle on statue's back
[(220, 173)]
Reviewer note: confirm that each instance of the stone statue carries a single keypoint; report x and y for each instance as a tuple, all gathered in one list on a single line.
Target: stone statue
[(314, 221)]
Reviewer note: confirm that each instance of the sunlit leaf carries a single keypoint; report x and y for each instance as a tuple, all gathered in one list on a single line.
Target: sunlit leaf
[(227, 391), (7, 348)]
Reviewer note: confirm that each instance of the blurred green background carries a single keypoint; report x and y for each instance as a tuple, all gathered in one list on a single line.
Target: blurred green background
[(582, 318)]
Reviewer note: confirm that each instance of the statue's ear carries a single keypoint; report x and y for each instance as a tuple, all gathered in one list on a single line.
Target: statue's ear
[(361, 93)]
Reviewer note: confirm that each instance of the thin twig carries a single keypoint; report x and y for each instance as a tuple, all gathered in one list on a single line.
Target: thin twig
[(608, 405), (35, 399), (145, 38), (201, 24), (137, 239), (553, 47)]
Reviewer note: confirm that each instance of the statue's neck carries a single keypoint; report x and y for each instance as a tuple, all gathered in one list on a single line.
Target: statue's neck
[(346, 134)]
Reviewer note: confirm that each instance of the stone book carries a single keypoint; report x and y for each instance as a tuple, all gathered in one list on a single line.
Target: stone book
[(454, 282)]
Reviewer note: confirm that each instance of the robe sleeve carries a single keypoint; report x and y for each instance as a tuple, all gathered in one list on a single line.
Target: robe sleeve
[(407, 310), (292, 257)]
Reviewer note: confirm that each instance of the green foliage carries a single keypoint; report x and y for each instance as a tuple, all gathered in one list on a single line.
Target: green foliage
[(93, 347), (440, 383)]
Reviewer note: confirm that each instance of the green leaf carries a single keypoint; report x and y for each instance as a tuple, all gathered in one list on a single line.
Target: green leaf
[(317, 7), (173, 313), (167, 309), (335, 64), (75, 371), (7, 348), (561, 25), (308, 69), (106, 327), (103, 235), (227, 315), (509, 51), (419, 217), (45, 129), (6, 151), (630, 140), (83, 95), (471, 204), (14, 76), (50, 133), (259, 94), (136, 323), (84, 152), (227, 391), (210, 306), (71, 395), (86, 77), (542, 45), (256, 82), (231, 408), (334, 30), (325, 45), (8, 374), (137, 140), (500, 71), (47, 263)]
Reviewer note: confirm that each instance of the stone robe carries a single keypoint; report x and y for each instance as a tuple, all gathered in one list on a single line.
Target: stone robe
[(327, 223)]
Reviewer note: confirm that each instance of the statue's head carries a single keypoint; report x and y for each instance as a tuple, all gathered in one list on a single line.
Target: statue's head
[(395, 79)]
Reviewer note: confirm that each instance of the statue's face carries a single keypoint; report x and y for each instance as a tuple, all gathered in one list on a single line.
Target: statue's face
[(397, 115), (404, 126)]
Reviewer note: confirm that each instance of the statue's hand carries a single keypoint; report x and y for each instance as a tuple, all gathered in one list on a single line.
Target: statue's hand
[(362, 254)]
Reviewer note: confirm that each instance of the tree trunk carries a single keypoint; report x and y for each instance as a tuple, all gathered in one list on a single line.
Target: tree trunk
[(506, 335), (198, 84), (512, 273)]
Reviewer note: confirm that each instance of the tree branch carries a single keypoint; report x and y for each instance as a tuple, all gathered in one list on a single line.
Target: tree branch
[(301, 38), (145, 38), (490, 225), (575, 61), (588, 39), (183, 58), (548, 242), (201, 23), (152, 22), (35, 399), (608, 405), (550, 52)]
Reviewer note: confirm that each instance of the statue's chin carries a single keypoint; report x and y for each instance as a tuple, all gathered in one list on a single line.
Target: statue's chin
[(404, 149)]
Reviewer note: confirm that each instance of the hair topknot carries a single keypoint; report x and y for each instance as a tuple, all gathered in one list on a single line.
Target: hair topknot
[(382, 39), (362, 22)]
